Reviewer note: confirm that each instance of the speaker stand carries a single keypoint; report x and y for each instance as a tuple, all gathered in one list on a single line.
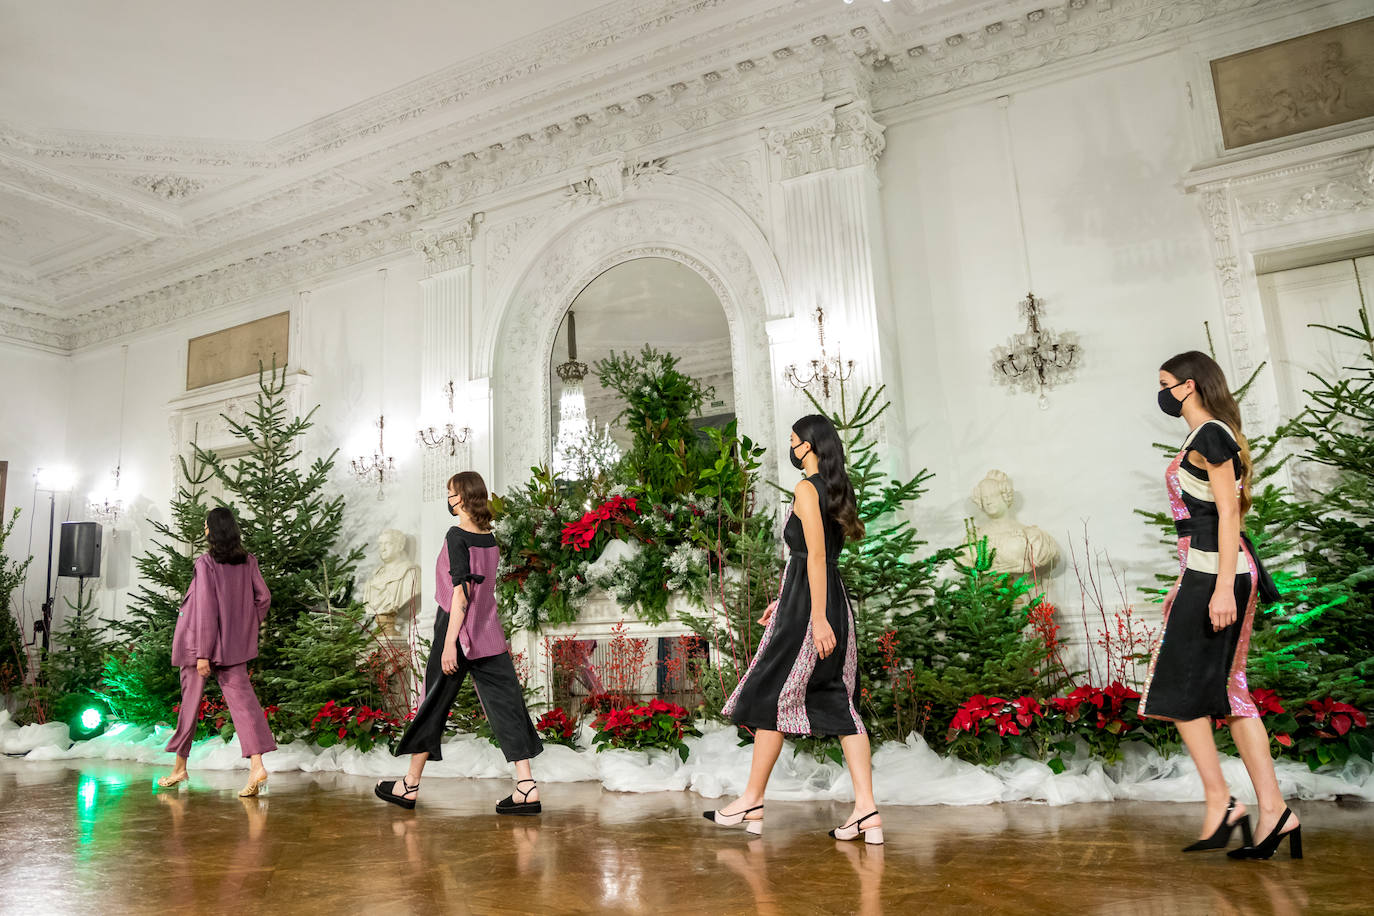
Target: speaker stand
[(49, 596)]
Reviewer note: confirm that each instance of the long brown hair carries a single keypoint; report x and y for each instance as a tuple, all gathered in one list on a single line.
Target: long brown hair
[(224, 536), (473, 489), (1217, 399), (820, 433)]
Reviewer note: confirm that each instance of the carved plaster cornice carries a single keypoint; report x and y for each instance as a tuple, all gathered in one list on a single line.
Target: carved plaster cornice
[(1009, 39), (607, 181), (840, 137), (1290, 185), (86, 200), (379, 237), (727, 78), (447, 248), (1347, 187)]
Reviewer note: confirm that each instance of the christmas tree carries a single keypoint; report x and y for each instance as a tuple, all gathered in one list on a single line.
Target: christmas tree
[(1334, 524), (882, 572), (315, 636), (314, 644), (288, 521), (139, 684), (72, 669), (12, 573)]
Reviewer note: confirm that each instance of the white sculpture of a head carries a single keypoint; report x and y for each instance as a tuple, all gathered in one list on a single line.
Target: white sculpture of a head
[(391, 545), (994, 494)]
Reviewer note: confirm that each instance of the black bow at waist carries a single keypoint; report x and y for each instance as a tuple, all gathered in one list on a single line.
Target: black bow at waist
[(1191, 527)]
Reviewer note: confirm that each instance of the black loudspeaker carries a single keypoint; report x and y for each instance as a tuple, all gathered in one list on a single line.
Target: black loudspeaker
[(79, 555)]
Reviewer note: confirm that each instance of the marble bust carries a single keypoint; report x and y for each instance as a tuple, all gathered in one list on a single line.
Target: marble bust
[(393, 588), (1021, 550)]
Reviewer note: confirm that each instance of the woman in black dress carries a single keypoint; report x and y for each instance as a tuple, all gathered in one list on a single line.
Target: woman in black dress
[(803, 679), (1198, 671)]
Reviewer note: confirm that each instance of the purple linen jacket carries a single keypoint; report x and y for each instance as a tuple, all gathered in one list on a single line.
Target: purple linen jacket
[(220, 617)]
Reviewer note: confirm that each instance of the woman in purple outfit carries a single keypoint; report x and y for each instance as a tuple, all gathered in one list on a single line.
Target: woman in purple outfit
[(217, 633), (468, 638)]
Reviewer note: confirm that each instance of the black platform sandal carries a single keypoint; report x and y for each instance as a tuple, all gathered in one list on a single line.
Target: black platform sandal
[(509, 805), (386, 791)]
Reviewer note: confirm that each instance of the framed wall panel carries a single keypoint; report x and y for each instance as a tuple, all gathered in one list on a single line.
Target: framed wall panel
[(236, 352), (1297, 85)]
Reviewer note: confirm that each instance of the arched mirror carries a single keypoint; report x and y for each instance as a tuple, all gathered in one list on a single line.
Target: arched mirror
[(654, 301)]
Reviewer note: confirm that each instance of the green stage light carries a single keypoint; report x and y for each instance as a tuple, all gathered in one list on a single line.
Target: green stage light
[(91, 718)]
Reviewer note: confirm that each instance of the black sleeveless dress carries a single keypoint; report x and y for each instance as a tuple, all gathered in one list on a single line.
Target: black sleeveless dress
[(1197, 671), (788, 687)]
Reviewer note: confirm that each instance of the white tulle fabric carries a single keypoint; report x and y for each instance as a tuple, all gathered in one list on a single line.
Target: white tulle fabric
[(908, 773)]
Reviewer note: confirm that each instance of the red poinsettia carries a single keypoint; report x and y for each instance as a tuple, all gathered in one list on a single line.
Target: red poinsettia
[(1266, 701), (638, 718), (1009, 717), (1339, 715), (619, 509), (556, 722), (367, 715), (333, 712), (1109, 703)]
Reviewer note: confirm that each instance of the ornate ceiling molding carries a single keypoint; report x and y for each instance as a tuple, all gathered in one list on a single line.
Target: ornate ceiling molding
[(718, 82), (962, 52), (86, 200), (379, 237), (449, 247), (840, 137)]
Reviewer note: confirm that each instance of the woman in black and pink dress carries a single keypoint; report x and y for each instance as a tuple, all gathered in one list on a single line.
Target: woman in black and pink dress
[(1198, 671), (803, 679)]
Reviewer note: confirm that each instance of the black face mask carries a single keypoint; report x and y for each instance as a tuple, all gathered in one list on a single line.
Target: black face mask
[(451, 509), (1170, 404), (792, 453)]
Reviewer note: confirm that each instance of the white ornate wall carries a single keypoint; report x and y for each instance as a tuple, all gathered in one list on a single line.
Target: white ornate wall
[(668, 221), (1270, 206), (851, 156)]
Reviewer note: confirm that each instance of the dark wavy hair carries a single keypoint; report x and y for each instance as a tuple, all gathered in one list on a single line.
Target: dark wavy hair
[(226, 540), (473, 489), (821, 435), (1218, 401)]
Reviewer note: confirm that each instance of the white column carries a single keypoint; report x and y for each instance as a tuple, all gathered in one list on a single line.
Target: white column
[(446, 356), (832, 246)]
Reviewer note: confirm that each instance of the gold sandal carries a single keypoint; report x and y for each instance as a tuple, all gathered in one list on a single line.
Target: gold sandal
[(166, 782), (254, 788)]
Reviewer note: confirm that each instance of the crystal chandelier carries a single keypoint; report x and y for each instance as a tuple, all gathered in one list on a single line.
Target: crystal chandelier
[(1036, 359), (580, 451), (450, 437), (106, 503), (825, 369), (379, 466)]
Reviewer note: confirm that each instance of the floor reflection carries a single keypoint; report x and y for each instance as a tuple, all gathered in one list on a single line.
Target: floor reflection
[(103, 838)]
